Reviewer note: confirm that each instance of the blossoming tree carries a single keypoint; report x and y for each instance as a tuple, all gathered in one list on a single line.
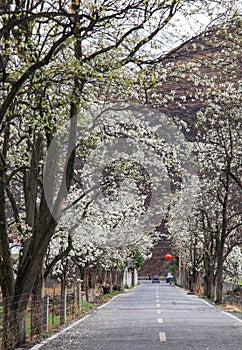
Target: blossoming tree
[(56, 59)]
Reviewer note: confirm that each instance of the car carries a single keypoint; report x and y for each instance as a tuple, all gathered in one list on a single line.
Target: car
[(155, 279)]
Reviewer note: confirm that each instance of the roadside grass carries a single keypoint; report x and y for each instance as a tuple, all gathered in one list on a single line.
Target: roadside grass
[(103, 298), (86, 307)]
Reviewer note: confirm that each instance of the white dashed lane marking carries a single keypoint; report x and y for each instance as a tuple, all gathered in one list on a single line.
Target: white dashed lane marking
[(162, 336)]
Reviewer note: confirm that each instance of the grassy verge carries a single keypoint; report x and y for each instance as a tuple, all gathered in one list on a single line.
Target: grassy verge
[(86, 307), (103, 298)]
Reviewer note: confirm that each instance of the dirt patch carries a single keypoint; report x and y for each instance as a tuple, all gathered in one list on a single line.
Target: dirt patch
[(233, 300)]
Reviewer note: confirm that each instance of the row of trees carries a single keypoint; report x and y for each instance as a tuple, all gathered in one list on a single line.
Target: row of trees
[(205, 220), (83, 181)]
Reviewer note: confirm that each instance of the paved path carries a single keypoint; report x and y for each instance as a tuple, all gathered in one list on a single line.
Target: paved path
[(151, 317)]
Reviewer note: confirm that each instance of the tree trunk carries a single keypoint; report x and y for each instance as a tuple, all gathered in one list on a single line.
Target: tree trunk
[(78, 296), (14, 320), (115, 279), (210, 286), (93, 279), (219, 286), (63, 301), (219, 281), (110, 279), (120, 278), (86, 283), (36, 305), (210, 275), (194, 280)]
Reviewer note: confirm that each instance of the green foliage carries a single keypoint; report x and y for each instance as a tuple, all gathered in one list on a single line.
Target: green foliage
[(111, 294), (86, 306), (138, 259), (128, 287), (173, 270)]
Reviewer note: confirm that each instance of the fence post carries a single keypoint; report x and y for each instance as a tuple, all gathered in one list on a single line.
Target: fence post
[(45, 313)]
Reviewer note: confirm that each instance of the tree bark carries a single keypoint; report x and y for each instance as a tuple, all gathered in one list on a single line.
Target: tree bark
[(63, 300), (14, 322), (36, 305), (219, 281)]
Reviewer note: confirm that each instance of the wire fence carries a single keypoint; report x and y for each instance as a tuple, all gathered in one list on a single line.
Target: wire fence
[(40, 317)]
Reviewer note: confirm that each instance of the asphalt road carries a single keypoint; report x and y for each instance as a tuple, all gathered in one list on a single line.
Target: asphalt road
[(151, 317)]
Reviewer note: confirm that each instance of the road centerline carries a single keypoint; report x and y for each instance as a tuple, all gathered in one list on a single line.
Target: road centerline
[(162, 336)]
